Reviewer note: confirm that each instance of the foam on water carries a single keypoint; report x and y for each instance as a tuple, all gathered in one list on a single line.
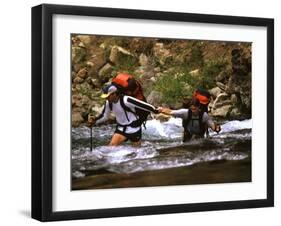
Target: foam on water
[(156, 136)]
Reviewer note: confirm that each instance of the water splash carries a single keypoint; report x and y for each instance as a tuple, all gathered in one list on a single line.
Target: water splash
[(156, 137)]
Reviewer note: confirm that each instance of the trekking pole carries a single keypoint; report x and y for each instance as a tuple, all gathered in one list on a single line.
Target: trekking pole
[(91, 133)]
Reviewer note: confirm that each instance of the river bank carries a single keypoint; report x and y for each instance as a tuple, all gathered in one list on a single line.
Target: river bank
[(168, 70)]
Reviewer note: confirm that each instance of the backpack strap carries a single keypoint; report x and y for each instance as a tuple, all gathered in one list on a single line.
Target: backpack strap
[(185, 123), (125, 108), (201, 124), (135, 123), (110, 106), (187, 120)]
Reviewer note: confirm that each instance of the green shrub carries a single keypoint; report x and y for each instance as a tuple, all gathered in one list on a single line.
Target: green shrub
[(126, 64), (178, 83), (209, 72), (175, 85)]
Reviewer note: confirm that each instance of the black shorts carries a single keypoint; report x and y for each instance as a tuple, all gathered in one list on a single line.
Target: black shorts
[(134, 137)]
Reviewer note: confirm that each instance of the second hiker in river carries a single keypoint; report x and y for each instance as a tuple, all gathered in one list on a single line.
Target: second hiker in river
[(127, 111), (195, 121)]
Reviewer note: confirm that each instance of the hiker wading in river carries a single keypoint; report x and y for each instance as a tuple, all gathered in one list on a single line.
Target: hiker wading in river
[(125, 110), (195, 121)]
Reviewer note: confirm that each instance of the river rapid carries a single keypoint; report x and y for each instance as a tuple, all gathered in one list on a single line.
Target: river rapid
[(162, 148)]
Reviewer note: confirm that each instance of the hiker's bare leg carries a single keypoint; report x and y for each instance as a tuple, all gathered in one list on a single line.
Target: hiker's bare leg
[(117, 139)]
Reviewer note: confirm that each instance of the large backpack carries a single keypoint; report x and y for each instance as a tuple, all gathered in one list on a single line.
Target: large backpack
[(128, 85), (204, 98), (186, 135)]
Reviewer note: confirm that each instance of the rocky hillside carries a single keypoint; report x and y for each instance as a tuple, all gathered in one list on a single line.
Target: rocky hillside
[(169, 70)]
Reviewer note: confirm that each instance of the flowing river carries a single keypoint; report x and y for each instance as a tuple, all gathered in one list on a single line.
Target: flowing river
[(162, 150)]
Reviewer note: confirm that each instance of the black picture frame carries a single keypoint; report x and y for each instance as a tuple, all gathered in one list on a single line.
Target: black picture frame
[(42, 108)]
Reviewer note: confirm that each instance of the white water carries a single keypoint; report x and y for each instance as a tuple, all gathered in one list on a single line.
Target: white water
[(156, 136)]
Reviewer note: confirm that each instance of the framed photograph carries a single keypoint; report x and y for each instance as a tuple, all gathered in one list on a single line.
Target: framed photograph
[(145, 112)]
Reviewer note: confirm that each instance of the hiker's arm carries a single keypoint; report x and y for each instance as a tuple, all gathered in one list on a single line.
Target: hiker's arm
[(181, 113), (132, 102), (103, 117), (211, 124), (165, 111)]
